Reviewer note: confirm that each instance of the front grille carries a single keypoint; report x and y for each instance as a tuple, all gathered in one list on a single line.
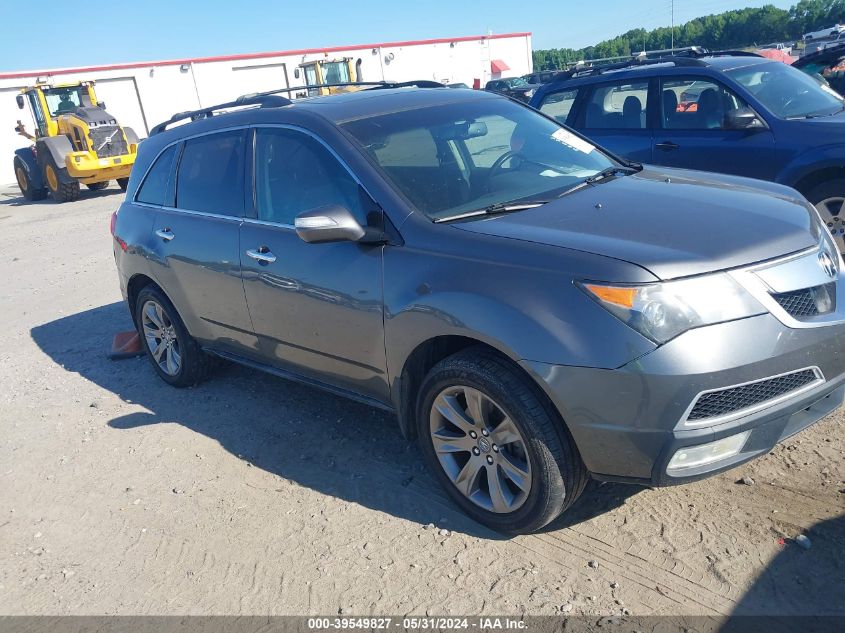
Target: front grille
[(718, 403), (116, 146), (808, 302)]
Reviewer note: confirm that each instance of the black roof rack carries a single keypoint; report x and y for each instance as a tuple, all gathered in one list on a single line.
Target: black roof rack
[(688, 56), (264, 101), (271, 99)]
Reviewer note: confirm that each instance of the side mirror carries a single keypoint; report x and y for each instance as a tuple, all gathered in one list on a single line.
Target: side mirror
[(743, 119), (296, 72), (20, 101), (330, 223)]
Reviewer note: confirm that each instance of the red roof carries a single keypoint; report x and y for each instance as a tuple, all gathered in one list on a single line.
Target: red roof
[(498, 66), (227, 58)]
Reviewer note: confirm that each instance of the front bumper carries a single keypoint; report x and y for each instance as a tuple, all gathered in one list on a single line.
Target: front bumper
[(626, 422), (88, 168)]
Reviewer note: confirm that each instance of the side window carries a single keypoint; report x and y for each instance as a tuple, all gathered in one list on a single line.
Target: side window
[(211, 174), (619, 106), (696, 104), (559, 104), (154, 189), (295, 173)]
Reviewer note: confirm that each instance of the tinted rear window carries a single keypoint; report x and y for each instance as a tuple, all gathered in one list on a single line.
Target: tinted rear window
[(154, 190), (211, 174)]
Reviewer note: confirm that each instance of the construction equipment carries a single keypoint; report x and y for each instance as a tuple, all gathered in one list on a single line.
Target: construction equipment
[(320, 72), (76, 142)]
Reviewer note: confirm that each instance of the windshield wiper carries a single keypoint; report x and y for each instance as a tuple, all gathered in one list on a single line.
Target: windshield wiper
[(494, 209), (611, 171)]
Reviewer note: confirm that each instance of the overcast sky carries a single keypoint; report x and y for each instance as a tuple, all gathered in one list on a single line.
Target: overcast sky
[(120, 31)]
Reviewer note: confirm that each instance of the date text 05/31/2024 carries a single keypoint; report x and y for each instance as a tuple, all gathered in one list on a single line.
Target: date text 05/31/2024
[(421, 623)]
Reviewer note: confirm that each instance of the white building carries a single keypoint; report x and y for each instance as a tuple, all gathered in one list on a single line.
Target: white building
[(142, 94)]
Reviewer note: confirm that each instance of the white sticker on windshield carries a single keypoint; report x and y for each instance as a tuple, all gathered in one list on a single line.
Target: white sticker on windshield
[(570, 140)]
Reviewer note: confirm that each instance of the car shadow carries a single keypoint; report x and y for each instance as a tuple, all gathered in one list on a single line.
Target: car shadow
[(805, 584), (330, 444)]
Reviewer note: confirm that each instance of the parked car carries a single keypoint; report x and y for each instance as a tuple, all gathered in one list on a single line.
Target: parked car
[(827, 64), (535, 311), (458, 85), (741, 115), (515, 87), (540, 77)]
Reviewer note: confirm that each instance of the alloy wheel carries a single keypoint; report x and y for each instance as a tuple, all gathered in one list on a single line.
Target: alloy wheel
[(833, 215), (480, 449), (161, 338)]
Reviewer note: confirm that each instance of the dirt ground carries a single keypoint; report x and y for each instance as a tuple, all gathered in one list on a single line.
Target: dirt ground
[(252, 495)]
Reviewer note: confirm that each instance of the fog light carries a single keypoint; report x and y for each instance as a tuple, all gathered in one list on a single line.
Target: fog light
[(692, 456)]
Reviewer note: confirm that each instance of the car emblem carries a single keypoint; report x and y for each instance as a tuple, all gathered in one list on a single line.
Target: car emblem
[(828, 264), (484, 445)]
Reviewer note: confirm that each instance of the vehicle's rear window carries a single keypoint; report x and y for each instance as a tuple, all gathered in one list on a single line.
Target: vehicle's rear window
[(211, 174), (154, 189)]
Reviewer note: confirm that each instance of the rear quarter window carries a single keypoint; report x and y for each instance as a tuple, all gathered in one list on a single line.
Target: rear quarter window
[(156, 186)]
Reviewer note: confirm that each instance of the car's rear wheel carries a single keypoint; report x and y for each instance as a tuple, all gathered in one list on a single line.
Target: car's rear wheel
[(495, 444), (829, 199), (174, 354)]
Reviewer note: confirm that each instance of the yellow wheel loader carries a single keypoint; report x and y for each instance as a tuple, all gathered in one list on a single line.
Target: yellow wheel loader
[(76, 142), (330, 71)]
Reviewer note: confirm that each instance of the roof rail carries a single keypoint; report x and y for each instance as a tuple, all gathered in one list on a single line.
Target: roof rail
[(262, 100), (733, 53), (587, 71), (271, 99)]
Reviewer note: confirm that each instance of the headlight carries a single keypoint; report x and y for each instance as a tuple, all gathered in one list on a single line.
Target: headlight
[(662, 311)]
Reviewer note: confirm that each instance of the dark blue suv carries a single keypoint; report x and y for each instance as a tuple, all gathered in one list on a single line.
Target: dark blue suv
[(735, 114)]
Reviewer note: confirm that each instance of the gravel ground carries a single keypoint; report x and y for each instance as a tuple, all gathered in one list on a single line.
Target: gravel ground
[(252, 495)]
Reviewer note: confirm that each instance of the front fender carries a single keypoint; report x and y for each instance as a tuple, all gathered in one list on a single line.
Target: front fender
[(812, 160), (31, 165)]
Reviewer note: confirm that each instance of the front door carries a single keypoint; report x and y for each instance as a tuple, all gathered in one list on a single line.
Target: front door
[(693, 134), (316, 308)]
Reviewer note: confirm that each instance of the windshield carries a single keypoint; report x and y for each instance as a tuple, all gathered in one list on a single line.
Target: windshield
[(61, 100), (788, 92), (515, 82), (460, 157)]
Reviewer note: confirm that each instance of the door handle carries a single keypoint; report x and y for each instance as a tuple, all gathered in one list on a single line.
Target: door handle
[(667, 146), (165, 234), (263, 255)]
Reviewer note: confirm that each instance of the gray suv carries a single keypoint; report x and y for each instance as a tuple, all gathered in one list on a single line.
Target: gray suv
[(535, 311)]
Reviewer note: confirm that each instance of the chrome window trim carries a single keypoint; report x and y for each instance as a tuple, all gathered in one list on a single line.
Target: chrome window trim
[(276, 225), (685, 423), (182, 139), (204, 214)]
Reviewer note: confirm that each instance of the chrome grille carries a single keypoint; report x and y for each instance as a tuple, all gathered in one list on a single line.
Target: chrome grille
[(715, 404), (808, 302)]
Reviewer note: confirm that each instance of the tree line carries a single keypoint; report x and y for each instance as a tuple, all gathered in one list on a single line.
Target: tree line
[(731, 29)]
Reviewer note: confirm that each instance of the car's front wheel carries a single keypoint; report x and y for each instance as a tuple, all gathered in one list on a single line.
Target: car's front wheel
[(174, 354), (495, 444), (829, 199)]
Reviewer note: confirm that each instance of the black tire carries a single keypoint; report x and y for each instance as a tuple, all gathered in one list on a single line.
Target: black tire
[(196, 365), (833, 190), (123, 183), (28, 191), (558, 475), (98, 186), (61, 186)]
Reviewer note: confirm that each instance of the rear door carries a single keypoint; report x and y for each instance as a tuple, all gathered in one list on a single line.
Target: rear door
[(196, 256), (317, 308), (616, 116), (692, 133)]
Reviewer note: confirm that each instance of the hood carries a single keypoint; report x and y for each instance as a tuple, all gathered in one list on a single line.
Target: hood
[(673, 223)]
